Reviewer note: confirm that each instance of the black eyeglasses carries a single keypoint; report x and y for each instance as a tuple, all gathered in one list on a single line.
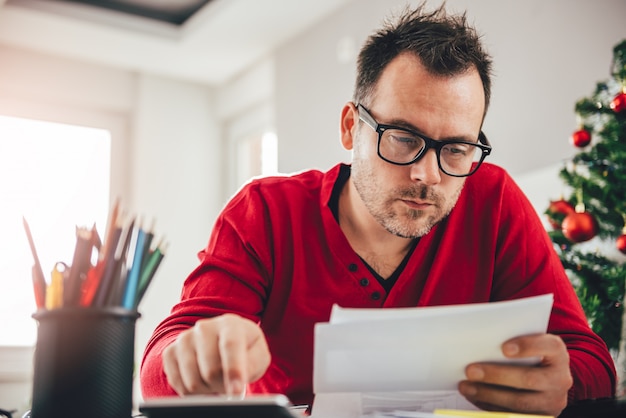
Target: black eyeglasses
[(401, 146), (7, 414)]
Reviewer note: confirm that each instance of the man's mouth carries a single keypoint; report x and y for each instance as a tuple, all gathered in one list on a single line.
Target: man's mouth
[(418, 204)]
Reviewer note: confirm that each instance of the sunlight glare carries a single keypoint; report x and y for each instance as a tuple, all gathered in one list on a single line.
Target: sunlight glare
[(56, 176)]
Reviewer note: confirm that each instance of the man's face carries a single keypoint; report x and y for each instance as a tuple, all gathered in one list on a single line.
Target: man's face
[(409, 200)]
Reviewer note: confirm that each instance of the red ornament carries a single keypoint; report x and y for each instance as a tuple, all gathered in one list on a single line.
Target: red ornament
[(579, 226), (621, 243), (619, 103), (557, 211), (581, 138)]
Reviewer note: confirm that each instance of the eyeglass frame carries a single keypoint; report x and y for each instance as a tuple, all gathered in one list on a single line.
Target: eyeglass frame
[(6, 413), (430, 143)]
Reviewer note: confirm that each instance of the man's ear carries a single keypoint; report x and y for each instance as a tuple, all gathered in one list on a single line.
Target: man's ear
[(349, 125)]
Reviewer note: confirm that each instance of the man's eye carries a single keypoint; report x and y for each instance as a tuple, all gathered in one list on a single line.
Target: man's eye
[(457, 149), (400, 138)]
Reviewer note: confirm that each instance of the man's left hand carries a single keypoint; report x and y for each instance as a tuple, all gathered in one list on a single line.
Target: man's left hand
[(538, 389)]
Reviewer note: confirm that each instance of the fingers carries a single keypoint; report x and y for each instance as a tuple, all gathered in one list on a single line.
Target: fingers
[(537, 388), (552, 370), (205, 364), (549, 348), (522, 377), (181, 369), (258, 358), (233, 349), (217, 355), (499, 398), (244, 356)]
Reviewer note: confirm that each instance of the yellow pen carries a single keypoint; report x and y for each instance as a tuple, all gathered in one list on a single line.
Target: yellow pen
[(484, 414), (54, 292)]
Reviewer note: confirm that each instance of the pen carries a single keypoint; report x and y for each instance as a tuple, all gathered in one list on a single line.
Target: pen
[(154, 259), (81, 262), (114, 271), (109, 239), (95, 239), (90, 285), (146, 246), (124, 263), (104, 267), (107, 289), (39, 282), (484, 414), (132, 282)]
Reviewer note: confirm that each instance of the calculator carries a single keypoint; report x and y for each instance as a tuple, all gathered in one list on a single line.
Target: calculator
[(205, 406)]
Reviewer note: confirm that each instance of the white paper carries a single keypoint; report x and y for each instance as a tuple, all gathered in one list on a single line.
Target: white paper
[(378, 404), (408, 350)]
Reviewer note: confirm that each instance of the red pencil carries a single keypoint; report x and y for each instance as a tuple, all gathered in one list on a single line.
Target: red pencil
[(39, 282)]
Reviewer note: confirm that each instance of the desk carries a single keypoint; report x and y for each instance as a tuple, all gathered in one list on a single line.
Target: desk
[(602, 408), (605, 408)]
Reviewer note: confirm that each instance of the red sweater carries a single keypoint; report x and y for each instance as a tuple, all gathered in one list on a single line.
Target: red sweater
[(278, 256)]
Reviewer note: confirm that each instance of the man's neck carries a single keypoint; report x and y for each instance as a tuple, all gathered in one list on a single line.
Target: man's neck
[(381, 249)]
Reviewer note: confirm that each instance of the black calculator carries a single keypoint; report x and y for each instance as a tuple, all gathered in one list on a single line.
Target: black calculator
[(200, 406)]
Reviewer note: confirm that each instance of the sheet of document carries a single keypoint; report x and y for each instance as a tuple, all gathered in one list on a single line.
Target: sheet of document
[(377, 359), (386, 404)]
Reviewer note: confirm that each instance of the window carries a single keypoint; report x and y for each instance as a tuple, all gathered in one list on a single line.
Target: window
[(57, 177), (253, 155), (256, 155)]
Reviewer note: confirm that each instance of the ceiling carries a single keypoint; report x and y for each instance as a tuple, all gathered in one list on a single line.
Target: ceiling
[(205, 41), (173, 12)]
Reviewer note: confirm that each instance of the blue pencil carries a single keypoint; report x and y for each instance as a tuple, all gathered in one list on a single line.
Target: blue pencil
[(132, 282)]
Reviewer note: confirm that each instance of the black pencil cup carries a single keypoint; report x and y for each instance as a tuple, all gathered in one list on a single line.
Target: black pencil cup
[(84, 361)]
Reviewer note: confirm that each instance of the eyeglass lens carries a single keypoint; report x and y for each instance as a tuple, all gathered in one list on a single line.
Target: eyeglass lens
[(401, 147)]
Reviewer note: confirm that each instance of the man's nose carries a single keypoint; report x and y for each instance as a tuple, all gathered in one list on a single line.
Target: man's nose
[(426, 169)]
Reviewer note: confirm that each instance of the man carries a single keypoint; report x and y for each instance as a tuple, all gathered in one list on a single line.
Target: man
[(416, 220)]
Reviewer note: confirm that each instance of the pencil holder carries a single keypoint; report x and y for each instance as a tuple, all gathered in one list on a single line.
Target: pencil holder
[(84, 361)]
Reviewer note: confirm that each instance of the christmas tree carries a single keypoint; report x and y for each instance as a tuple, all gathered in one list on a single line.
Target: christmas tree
[(596, 207)]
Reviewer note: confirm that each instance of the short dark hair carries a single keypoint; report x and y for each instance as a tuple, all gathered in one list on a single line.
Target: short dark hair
[(445, 44)]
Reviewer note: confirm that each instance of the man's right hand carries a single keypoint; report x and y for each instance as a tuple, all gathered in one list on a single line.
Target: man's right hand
[(218, 355)]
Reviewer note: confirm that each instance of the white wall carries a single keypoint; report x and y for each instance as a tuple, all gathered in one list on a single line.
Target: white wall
[(245, 106), (547, 55), (176, 162)]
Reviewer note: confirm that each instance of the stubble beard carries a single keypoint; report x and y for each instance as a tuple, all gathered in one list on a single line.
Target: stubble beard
[(404, 222)]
